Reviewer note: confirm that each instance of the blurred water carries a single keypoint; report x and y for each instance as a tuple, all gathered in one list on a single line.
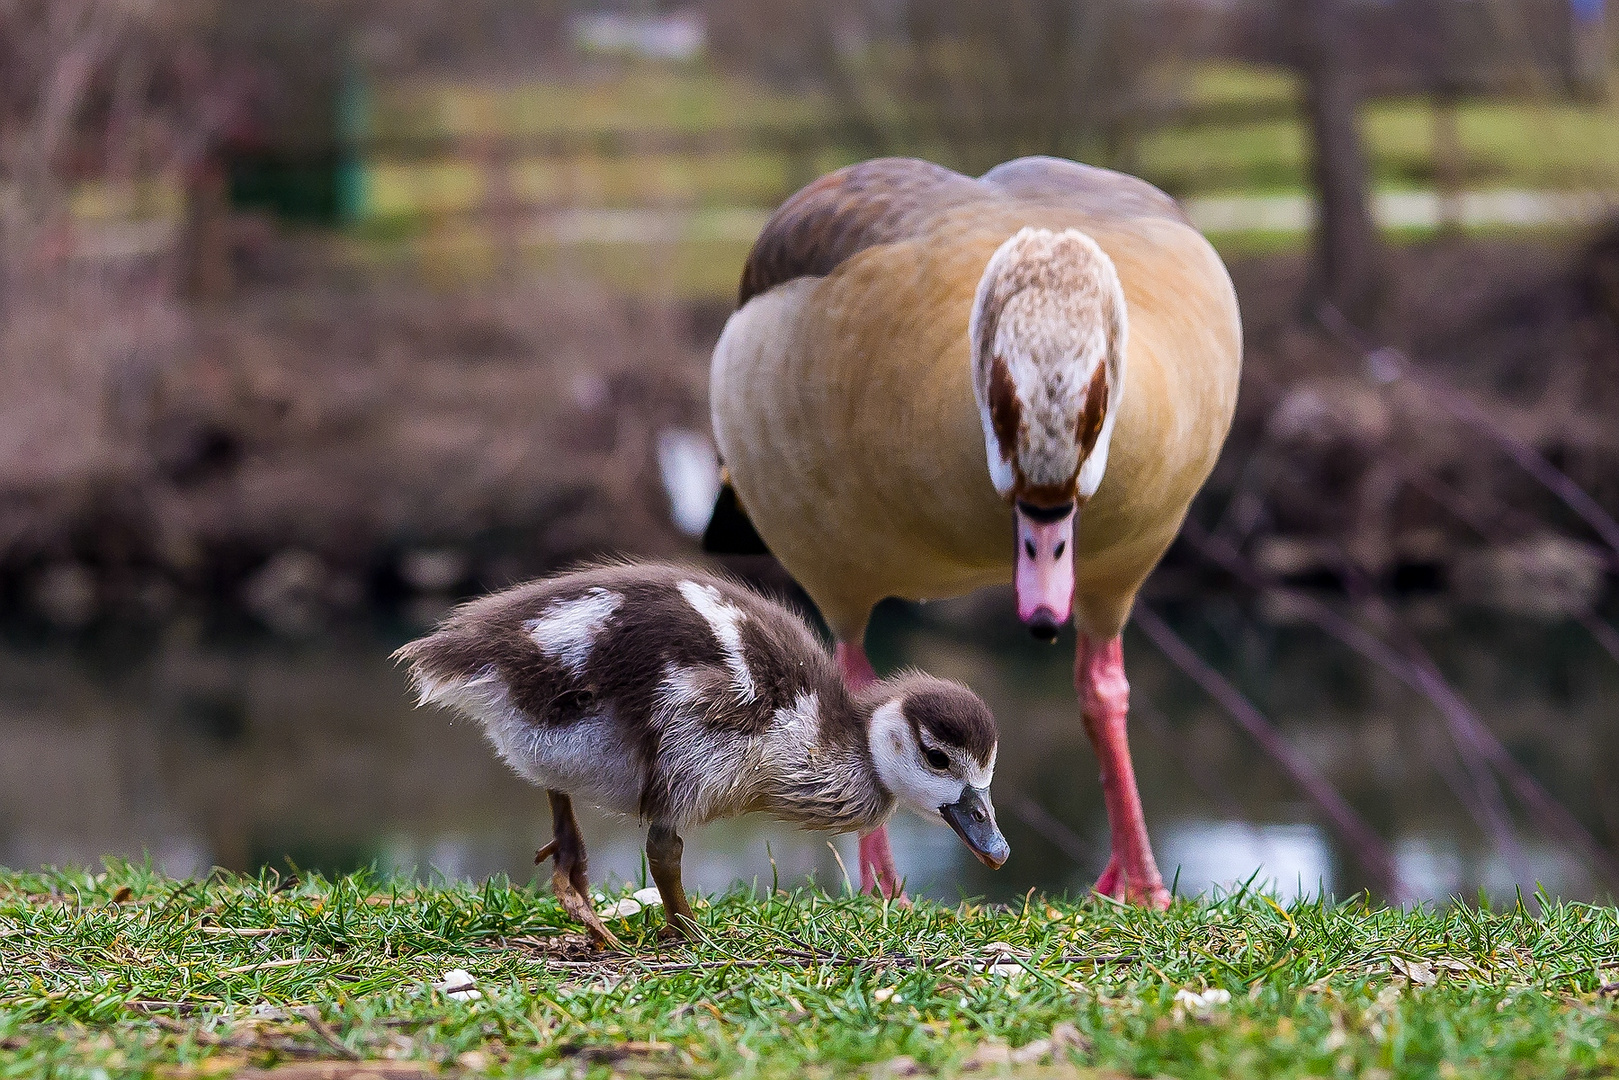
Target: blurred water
[(200, 748)]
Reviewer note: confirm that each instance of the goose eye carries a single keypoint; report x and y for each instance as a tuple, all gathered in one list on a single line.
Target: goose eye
[(1062, 545), (1028, 547), (936, 758)]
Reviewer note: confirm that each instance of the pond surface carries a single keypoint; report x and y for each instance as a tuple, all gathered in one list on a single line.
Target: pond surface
[(201, 748)]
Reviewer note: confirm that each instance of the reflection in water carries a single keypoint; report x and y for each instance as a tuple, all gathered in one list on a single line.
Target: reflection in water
[(246, 753), (1289, 860)]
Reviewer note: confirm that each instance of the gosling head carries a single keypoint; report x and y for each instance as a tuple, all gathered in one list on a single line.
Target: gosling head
[(933, 743), (1047, 330)]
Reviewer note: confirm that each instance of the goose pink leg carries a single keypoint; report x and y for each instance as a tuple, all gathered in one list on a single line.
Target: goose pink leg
[(1104, 695), (878, 875)]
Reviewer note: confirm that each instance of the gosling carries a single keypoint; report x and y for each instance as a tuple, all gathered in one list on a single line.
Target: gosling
[(681, 697)]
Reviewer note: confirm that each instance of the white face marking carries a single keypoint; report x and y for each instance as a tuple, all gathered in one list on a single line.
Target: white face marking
[(1059, 314), (1001, 473), (900, 767), (978, 775), (726, 622), (568, 628), (1090, 473)]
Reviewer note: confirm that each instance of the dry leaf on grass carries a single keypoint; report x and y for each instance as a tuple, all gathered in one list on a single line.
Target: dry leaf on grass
[(1414, 971)]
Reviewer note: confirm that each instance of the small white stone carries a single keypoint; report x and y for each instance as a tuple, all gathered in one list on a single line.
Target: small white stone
[(458, 985), (620, 909), (1201, 1005), (883, 994), (648, 897)]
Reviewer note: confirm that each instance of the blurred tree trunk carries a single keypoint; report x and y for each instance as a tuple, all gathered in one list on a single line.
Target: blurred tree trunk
[(205, 237), (1449, 165), (1347, 271)]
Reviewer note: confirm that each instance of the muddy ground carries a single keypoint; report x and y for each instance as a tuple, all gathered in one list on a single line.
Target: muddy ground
[(302, 455)]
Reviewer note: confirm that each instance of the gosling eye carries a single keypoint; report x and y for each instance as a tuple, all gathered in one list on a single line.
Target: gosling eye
[(1028, 548), (1062, 545), (937, 759)]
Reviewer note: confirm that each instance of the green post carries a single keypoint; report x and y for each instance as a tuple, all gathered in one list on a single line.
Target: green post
[(353, 125)]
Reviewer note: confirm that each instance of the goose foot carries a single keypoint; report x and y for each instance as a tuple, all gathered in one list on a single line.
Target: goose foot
[(568, 878), (1104, 694), (1147, 892)]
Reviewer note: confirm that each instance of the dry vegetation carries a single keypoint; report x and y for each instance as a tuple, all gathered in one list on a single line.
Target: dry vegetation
[(1344, 465), (217, 413), (303, 451)]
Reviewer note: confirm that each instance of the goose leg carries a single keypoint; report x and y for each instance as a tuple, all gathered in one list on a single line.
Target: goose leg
[(568, 878), (878, 875), (1104, 695), (663, 850)]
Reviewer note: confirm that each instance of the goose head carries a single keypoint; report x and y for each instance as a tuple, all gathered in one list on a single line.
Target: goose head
[(1048, 334), (933, 744)]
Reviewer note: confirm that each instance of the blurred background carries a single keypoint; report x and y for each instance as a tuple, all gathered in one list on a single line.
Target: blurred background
[(317, 316)]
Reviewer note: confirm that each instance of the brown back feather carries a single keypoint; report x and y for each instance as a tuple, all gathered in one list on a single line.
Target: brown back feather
[(887, 200), (843, 213)]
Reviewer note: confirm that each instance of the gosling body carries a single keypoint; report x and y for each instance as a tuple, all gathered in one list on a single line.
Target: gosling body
[(679, 697)]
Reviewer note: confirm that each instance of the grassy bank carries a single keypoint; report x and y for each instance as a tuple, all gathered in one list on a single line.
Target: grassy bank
[(128, 973)]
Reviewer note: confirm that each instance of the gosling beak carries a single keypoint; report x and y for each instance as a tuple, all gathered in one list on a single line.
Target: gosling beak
[(1045, 566), (973, 818)]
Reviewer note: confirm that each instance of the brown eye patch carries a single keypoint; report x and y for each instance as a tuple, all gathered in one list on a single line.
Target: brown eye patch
[(1005, 414), (1089, 426)]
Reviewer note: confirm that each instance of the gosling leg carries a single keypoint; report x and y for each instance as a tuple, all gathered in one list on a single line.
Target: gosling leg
[(663, 850), (568, 878)]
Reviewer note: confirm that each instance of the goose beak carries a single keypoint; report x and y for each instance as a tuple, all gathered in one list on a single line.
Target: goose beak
[(973, 818), (1045, 567)]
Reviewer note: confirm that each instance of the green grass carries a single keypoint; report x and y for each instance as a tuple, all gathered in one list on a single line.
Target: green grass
[(624, 100), (1551, 143), (128, 973), (1539, 145)]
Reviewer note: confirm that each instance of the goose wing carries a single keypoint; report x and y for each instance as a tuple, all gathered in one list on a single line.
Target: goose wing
[(887, 200), (845, 212)]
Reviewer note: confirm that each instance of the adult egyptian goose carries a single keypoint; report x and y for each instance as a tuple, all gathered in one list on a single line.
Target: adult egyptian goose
[(925, 366), (680, 697)]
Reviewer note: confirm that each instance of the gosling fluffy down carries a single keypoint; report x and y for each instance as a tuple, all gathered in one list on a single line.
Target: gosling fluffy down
[(680, 697)]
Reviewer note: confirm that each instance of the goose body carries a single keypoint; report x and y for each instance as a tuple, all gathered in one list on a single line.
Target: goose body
[(843, 402), (680, 697), (928, 373)]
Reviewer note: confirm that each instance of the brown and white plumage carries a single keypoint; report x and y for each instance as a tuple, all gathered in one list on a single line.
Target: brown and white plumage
[(842, 387), (680, 697), (923, 362)]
